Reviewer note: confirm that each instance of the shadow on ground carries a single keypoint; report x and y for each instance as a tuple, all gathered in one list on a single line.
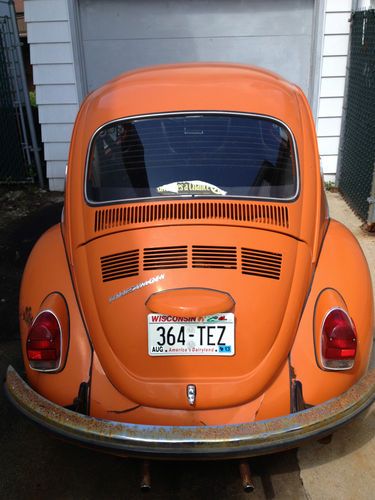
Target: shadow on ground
[(24, 216)]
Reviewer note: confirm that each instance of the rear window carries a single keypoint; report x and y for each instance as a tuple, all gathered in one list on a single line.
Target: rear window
[(192, 155)]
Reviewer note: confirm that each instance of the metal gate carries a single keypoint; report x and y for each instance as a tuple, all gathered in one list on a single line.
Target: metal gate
[(19, 152), (356, 174)]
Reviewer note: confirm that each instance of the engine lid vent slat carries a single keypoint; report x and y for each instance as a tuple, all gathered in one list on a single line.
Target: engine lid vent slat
[(175, 257), (120, 265), (261, 263), (215, 257), (130, 214), (253, 262)]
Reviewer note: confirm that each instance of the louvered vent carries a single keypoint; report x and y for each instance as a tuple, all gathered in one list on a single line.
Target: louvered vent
[(260, 263), (120, 265), (108, 218), (214, 257), (165, 257)]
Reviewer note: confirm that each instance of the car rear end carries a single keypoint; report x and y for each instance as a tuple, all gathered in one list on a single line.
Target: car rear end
[(200, 256)]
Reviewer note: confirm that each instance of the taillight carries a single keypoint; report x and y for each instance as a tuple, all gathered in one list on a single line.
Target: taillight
[(43, 346), (339, 341)]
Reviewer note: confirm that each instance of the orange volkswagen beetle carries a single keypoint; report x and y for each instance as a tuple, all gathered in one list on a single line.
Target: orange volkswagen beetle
[(196, 300)]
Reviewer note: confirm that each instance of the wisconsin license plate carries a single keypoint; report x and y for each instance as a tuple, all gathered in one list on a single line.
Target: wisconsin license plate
[(203, 336)]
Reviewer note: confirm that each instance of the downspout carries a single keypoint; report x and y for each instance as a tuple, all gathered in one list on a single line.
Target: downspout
[(345, 101)]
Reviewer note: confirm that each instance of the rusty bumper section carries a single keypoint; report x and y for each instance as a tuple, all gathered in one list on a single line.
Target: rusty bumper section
[(211, 442)]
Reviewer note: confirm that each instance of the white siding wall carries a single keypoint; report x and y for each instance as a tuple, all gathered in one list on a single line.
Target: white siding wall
[(332, 87), (51, 53)]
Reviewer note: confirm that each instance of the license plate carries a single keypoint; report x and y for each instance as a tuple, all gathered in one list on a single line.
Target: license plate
[(204, 336)]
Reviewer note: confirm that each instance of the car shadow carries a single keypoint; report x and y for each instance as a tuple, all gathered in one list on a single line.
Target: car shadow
[(17, 239)]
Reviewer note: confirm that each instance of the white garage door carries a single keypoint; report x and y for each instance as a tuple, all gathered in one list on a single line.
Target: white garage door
[(119, 35)]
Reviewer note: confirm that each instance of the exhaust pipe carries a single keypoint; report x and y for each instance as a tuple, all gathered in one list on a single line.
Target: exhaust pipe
[(247, 482), (146, 476)]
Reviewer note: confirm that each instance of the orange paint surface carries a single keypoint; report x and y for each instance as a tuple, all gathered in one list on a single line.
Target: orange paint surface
[(274, 312)]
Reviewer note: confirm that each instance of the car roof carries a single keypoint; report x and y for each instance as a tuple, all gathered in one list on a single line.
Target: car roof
[(194, 87)]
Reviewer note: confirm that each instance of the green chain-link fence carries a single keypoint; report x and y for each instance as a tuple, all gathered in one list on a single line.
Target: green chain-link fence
[(356, 166), (12, 161)]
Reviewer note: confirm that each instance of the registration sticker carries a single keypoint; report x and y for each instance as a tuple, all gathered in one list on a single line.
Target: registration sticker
[(211, 335)]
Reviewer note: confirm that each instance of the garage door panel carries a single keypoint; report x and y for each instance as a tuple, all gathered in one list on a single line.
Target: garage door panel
[(191, 18), (119, 35), (128, 54)]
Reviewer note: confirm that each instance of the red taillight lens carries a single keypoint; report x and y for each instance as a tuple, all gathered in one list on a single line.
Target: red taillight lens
[(43, 344), (339, 341)]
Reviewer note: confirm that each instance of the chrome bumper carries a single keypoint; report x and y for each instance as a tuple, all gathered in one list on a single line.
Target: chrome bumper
[(206, 442)]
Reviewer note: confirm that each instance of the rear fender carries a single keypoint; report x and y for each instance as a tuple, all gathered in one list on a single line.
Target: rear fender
[(341, 267), (47, 272)]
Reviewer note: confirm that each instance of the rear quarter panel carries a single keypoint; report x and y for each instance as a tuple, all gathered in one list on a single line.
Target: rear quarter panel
[(342, 267), (46, 272)]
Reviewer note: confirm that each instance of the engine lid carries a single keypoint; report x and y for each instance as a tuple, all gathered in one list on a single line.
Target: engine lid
[(264, 276)]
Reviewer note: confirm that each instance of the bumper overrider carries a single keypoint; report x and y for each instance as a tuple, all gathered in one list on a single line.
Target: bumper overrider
[(205, 442)]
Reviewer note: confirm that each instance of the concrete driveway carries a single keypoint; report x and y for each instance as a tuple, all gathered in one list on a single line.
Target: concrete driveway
[(33, 465), (345, 469)]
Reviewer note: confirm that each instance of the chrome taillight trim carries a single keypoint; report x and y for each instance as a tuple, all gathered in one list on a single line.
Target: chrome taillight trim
[(322, 359), (52, 370)]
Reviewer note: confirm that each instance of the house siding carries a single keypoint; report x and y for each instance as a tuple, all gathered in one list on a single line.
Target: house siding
[(332, 83), (51, 54)]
